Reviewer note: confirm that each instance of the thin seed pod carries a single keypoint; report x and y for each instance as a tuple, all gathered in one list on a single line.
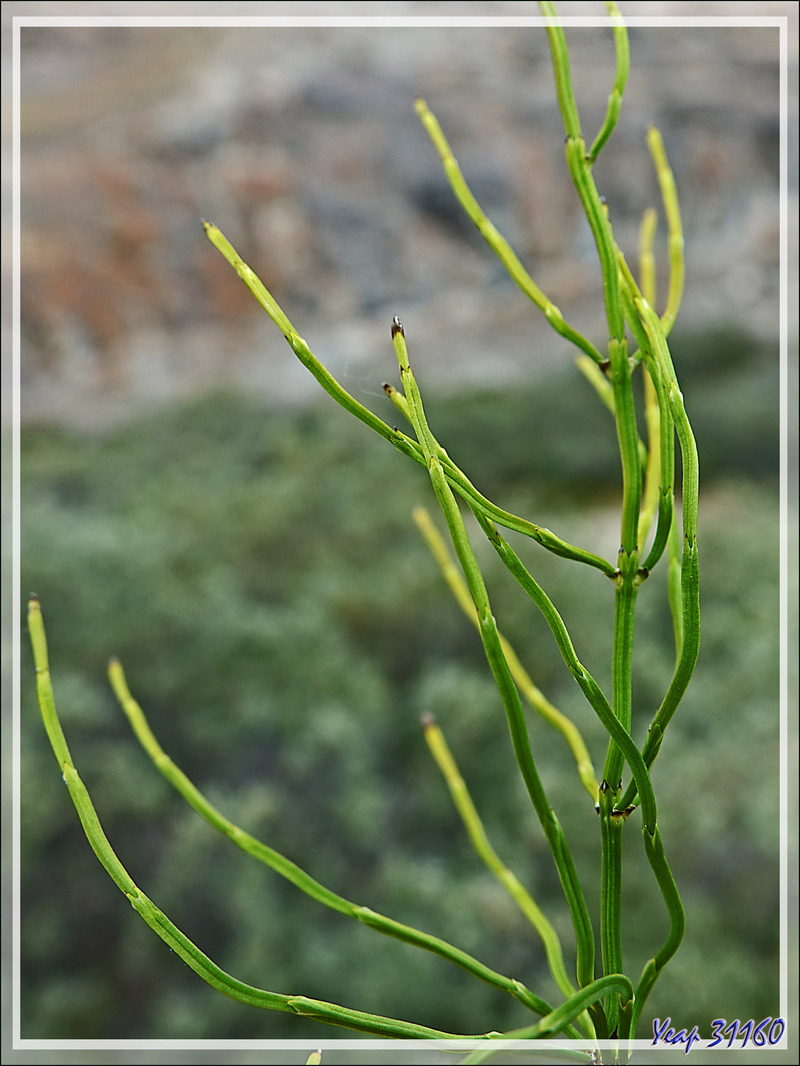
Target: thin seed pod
[(196, 959), (496, 241), (532, 694), (499, 667), (622, 49), (462, 800), (293, 873)]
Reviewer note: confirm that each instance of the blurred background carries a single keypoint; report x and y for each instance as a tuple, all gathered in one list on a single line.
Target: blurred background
[(192, 503)]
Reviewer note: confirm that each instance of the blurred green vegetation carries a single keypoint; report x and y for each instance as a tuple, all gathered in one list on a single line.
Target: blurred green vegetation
[(284, 628)]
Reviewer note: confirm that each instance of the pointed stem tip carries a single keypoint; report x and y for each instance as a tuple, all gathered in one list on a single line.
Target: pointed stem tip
[(397, 327)]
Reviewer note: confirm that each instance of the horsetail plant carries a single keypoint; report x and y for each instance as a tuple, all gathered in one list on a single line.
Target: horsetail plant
[(600, 1002)]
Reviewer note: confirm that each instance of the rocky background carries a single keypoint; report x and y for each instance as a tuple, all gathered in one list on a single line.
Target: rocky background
[(302, 143)]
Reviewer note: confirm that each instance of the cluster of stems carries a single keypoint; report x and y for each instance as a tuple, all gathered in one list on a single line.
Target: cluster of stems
[(600, 1002)]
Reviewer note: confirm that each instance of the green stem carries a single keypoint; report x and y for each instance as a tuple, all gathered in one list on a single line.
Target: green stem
[(498, 244), (499, 667), (611, 824), (669, 196), (477, 834), (293, 873), (654, 849)]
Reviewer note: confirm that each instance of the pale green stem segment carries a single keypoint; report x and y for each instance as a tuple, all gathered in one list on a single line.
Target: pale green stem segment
[(208, 970), (652, 478), (293, 873), (660, 464), (403, 443), (669, 196), (622, 48), (314, 1059), (674, 583), (532, 694), (477, 834), (498, 244), (647, 259), (499, 667)]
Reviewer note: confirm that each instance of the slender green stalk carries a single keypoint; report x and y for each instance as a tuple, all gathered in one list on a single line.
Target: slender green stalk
[(674, 584), (669, 196), (499, 667), (561, 73), (498, 244), (532, 694), (293, 873), (647, 280), (654, 849), (477, 834), (611, 825)]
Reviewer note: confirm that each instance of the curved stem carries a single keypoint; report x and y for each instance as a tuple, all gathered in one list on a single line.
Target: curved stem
[(477, 834), (197, 960), (293, 873)]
